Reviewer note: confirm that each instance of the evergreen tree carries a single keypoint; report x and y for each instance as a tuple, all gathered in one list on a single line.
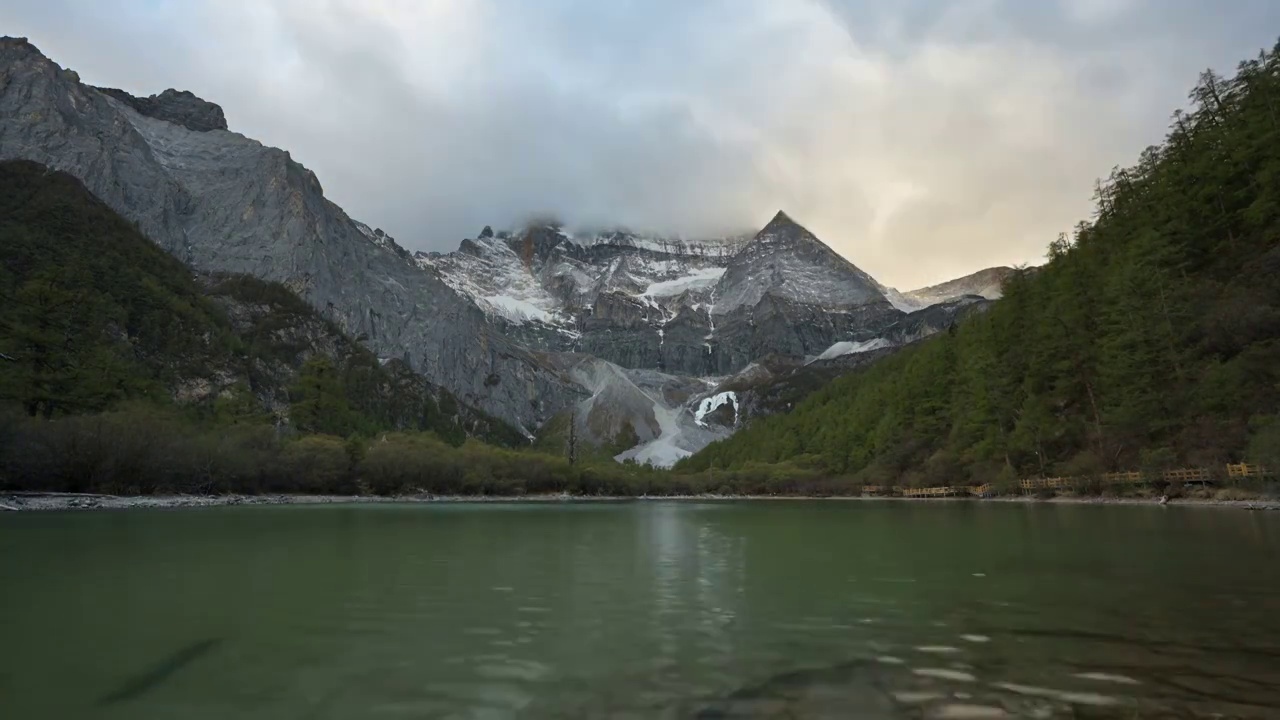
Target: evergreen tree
[(318, 400)]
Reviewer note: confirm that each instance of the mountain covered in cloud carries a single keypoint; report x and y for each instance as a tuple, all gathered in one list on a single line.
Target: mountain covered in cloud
[(629, 334)]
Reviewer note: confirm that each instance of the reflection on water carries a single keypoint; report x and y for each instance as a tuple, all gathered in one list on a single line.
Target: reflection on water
[(161, 671), (729, 610)]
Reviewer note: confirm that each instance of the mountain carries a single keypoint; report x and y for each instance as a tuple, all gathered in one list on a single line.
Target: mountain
[(626, 298), (679, 323), (703, 307), (1150, 340), (95, 313), (221, 202), (987, 284), (531, 327)]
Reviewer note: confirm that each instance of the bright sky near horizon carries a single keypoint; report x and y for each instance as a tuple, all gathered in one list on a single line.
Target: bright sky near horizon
[(922, 139)]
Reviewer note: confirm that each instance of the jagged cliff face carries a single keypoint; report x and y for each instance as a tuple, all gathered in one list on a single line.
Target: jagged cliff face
[(633, 331), (179, 107)]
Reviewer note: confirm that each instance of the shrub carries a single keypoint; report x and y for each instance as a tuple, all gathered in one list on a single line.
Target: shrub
[(316, 463)]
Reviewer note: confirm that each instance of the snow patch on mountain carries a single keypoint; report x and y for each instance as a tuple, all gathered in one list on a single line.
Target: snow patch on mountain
[(711, 404), (663, 451), (902, 302), (700, 279), (724, 247), (489, 272), (517, 310), (988, 283), (851, 347)]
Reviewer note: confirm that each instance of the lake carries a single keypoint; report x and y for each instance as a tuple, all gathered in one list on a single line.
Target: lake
[(640, 610)]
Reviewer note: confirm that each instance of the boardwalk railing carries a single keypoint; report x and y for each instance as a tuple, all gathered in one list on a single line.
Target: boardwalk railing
[(1199, 475), (1246, 470), (1028, 485), (946, 491)]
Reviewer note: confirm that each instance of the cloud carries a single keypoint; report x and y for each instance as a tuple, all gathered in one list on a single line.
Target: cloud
[(921, 139)]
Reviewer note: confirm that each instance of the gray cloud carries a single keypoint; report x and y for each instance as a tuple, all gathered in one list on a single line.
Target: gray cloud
[(921, 139)]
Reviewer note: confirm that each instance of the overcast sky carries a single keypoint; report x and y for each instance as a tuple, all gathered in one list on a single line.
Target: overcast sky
[(922, 139)]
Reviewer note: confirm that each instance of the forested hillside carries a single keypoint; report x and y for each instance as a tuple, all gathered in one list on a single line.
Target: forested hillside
[(1151, 338), (93, 314)]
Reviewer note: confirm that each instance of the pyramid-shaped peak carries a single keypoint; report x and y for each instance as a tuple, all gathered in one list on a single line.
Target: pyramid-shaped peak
[(787, 262), (782, 228), (780, 221)]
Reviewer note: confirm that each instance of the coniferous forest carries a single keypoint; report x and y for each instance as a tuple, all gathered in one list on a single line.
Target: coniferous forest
[(1150, 339)]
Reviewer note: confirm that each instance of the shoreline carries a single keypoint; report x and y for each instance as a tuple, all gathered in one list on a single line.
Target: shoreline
[(47, 502)]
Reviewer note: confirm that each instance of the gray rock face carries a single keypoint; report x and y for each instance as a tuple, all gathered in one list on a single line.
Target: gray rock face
[(224, 203), (934, 319), (48, 116), (180, 107)]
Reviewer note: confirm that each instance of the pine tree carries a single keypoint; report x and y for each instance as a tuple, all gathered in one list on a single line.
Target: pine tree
[(571, 448), (319, 403)]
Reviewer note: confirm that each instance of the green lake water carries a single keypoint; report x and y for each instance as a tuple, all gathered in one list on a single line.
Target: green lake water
[(641, 610)]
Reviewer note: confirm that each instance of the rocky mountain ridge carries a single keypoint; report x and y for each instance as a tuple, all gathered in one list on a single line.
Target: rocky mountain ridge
[(986, 283), (526, 326), (701, 307), (180, 107)]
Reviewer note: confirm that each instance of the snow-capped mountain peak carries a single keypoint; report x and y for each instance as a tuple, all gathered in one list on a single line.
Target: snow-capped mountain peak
[(787, 261)]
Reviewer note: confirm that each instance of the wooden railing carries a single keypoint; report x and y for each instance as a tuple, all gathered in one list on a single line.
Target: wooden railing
[(1246, 470), (945, 491), (1200, 475), (1038, 483)]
